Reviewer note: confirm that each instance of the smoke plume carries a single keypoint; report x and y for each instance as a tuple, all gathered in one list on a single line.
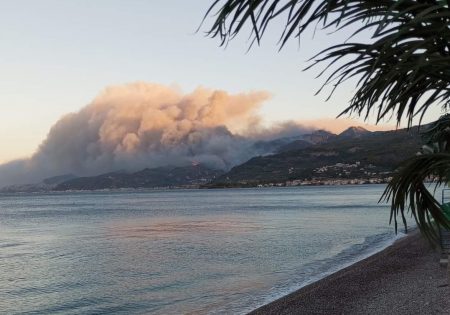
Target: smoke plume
[(140, 125)]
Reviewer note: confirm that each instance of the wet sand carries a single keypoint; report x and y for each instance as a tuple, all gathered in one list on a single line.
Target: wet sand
[(405, 278)]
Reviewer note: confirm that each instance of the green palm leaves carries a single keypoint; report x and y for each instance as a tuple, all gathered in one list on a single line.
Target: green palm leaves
[(408, 191), (401, 70)]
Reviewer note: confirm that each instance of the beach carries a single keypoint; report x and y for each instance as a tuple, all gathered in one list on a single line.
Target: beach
[(405, 278), (198, 251)]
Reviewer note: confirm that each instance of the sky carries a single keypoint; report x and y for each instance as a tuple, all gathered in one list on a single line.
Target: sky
[(57, 55)]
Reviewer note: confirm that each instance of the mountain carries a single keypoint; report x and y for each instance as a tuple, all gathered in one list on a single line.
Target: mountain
[(318, 136), (355, 153), (353, 132), (272, 146), (148, 178), (45, 185), (284, 144), (294, 145), (55, 180), (320, 156)]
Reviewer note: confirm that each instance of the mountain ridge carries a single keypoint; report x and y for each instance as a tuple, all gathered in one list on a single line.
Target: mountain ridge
[(166, 176), (363, 155), (319, 156)]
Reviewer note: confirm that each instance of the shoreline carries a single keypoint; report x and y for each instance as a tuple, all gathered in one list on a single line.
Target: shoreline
[(333, 270), (403, 278), (151, 189)]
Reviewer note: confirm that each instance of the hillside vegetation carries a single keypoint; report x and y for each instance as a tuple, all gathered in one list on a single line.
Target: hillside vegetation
[(354, 154)]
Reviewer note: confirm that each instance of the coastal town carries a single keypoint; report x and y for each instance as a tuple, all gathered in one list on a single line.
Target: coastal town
[(336, 174), (328, 182)]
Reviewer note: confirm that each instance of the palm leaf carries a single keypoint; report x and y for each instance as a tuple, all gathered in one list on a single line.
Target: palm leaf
[(401, 71), (406, 62), (407, 191)]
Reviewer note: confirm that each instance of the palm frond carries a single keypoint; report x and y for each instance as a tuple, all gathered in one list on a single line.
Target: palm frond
[(438, 133), (403, 70), (407, 191)]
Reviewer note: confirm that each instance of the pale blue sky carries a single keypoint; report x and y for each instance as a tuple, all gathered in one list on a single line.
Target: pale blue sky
[(57, 55)]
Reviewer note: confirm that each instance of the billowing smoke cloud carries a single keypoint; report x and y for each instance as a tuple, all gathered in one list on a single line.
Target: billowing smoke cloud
[(144, 125), (140, 125)]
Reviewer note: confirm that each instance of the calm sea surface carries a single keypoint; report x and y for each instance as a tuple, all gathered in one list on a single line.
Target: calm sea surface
[(179, 251)]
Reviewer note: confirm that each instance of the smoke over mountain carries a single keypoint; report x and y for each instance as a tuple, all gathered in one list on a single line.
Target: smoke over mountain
[(148, 125), (139, 125)]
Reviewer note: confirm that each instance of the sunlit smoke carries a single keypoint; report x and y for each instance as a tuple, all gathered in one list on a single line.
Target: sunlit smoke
[(139, 125), (144, 125)]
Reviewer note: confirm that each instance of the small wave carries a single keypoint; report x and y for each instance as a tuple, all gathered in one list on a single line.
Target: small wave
[(6, 245)]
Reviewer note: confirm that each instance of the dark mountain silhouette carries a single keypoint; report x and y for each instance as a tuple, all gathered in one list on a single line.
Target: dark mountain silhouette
[(355, 153), (354, 132), (294, 145), (318, 136), (147, 178)]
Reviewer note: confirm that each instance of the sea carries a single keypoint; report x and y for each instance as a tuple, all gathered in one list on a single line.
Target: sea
[(215, 251)]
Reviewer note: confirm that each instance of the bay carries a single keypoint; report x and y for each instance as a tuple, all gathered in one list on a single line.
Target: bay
[(223, 251)]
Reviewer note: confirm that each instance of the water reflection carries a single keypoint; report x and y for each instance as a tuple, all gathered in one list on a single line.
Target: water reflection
[(170, 252)]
